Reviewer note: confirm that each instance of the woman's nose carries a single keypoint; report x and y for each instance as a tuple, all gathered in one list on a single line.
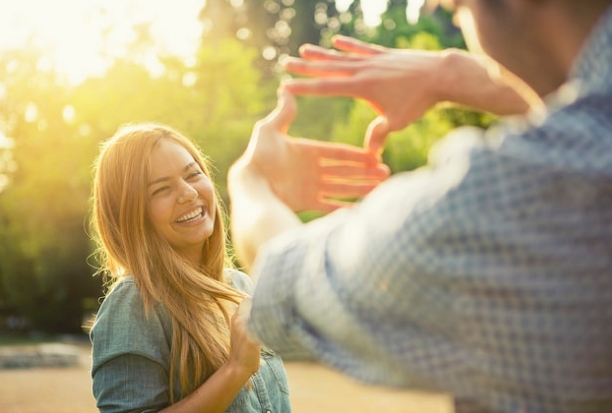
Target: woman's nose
[(188, 193)]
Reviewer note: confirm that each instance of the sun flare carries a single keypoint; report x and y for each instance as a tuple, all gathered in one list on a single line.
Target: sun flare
[(81, 38)]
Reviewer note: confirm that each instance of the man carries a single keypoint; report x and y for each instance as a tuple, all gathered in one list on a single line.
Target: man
[(487, 274)]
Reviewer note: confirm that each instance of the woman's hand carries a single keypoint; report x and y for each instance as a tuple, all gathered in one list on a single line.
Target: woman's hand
[(217, 393), (244, 350)]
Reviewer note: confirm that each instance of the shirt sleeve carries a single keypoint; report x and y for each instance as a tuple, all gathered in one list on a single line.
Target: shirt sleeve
[(464, 277), (130, 354)]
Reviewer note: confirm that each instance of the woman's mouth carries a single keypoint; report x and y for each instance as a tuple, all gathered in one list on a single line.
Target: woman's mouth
[(191, 216)]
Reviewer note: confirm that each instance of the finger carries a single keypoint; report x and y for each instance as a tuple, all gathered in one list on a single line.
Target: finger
[(324, 87), (347, 189), (240, 319), (319, 68), (318, 53), (377, 172), (340, 153), (244, 308), (281, 118), (376, 134), (350, 44)]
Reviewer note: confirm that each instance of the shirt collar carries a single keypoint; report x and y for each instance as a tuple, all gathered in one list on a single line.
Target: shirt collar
[(593, 65)]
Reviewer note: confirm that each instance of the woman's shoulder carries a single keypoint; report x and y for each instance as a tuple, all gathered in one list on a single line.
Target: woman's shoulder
[(124, 286), (239, 280), (124, 292), (124, 326), (123, 305)]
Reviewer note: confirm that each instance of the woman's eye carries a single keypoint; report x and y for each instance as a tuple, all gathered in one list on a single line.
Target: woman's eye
[(194, 174), (159, 190)]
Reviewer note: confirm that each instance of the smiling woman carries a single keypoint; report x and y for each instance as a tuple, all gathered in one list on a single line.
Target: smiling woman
[(168, 335), (81, 38), (181, 203)]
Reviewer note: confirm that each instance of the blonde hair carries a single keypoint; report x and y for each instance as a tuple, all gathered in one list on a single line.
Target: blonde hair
[(197, 299)]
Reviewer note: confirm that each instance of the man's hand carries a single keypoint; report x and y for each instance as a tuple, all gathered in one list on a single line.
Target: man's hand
[(385, 78), (307, 174), (279, 175), (400, 84)]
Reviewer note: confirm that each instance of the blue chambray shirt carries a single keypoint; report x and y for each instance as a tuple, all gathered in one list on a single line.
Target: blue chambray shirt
[(131, 358), (487, 274)]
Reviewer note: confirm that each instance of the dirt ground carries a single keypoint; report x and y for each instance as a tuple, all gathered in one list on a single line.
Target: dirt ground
[(312, 387)]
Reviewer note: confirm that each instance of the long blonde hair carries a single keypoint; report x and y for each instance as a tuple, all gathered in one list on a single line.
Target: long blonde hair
[(197, 299)]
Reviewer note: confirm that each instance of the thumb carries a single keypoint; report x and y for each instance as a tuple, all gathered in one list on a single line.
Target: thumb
[(244, 308), (376, 135), (284, 113)]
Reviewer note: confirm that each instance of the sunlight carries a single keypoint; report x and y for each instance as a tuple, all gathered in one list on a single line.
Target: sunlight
[(372, 9), (81, 38), (7, 164), (413, 11)]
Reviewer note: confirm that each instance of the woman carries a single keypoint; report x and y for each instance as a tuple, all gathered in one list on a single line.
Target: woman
[(164, 338)]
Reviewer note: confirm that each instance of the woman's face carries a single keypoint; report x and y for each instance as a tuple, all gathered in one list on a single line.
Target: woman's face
[(181, 199)]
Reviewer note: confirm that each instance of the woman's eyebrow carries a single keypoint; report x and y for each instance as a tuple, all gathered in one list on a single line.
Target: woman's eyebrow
[(166, 178)]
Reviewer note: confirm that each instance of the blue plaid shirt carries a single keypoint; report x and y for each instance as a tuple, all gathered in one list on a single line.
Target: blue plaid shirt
[(487, 275)]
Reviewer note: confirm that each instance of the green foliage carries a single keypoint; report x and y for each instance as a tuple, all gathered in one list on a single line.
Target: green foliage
[(406, 149), (57, 129), (277, 26), (438, 24), (43, 267), (317, 116)]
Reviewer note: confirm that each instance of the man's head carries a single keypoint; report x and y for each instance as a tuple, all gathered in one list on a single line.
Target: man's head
[(535, 40)]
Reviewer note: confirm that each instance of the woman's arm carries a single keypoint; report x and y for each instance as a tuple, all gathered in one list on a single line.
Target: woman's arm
[(138, 380)]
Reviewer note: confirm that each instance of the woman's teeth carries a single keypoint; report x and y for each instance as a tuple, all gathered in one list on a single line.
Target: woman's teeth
[(190, 216)]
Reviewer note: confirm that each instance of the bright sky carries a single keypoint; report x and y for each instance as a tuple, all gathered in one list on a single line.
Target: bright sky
[(372, 9), (70, 30)]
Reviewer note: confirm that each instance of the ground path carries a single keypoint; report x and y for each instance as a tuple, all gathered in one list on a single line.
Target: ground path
[(313, 389)]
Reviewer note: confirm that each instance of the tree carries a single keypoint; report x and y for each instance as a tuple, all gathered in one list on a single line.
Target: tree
[(273, 27), (407, 149), (57, 128), (43, 261)]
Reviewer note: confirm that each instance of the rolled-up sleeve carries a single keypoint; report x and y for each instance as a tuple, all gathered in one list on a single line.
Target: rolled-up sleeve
[(486, 275), (130, 383), (130, 354)]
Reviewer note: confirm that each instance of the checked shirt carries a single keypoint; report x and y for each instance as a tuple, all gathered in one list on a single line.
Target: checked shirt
[(486, 274)]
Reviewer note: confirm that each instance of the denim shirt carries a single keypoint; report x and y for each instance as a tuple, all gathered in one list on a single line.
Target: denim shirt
[(131, 358)]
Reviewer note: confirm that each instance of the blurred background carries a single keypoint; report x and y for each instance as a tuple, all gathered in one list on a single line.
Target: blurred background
[(73, 71)]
